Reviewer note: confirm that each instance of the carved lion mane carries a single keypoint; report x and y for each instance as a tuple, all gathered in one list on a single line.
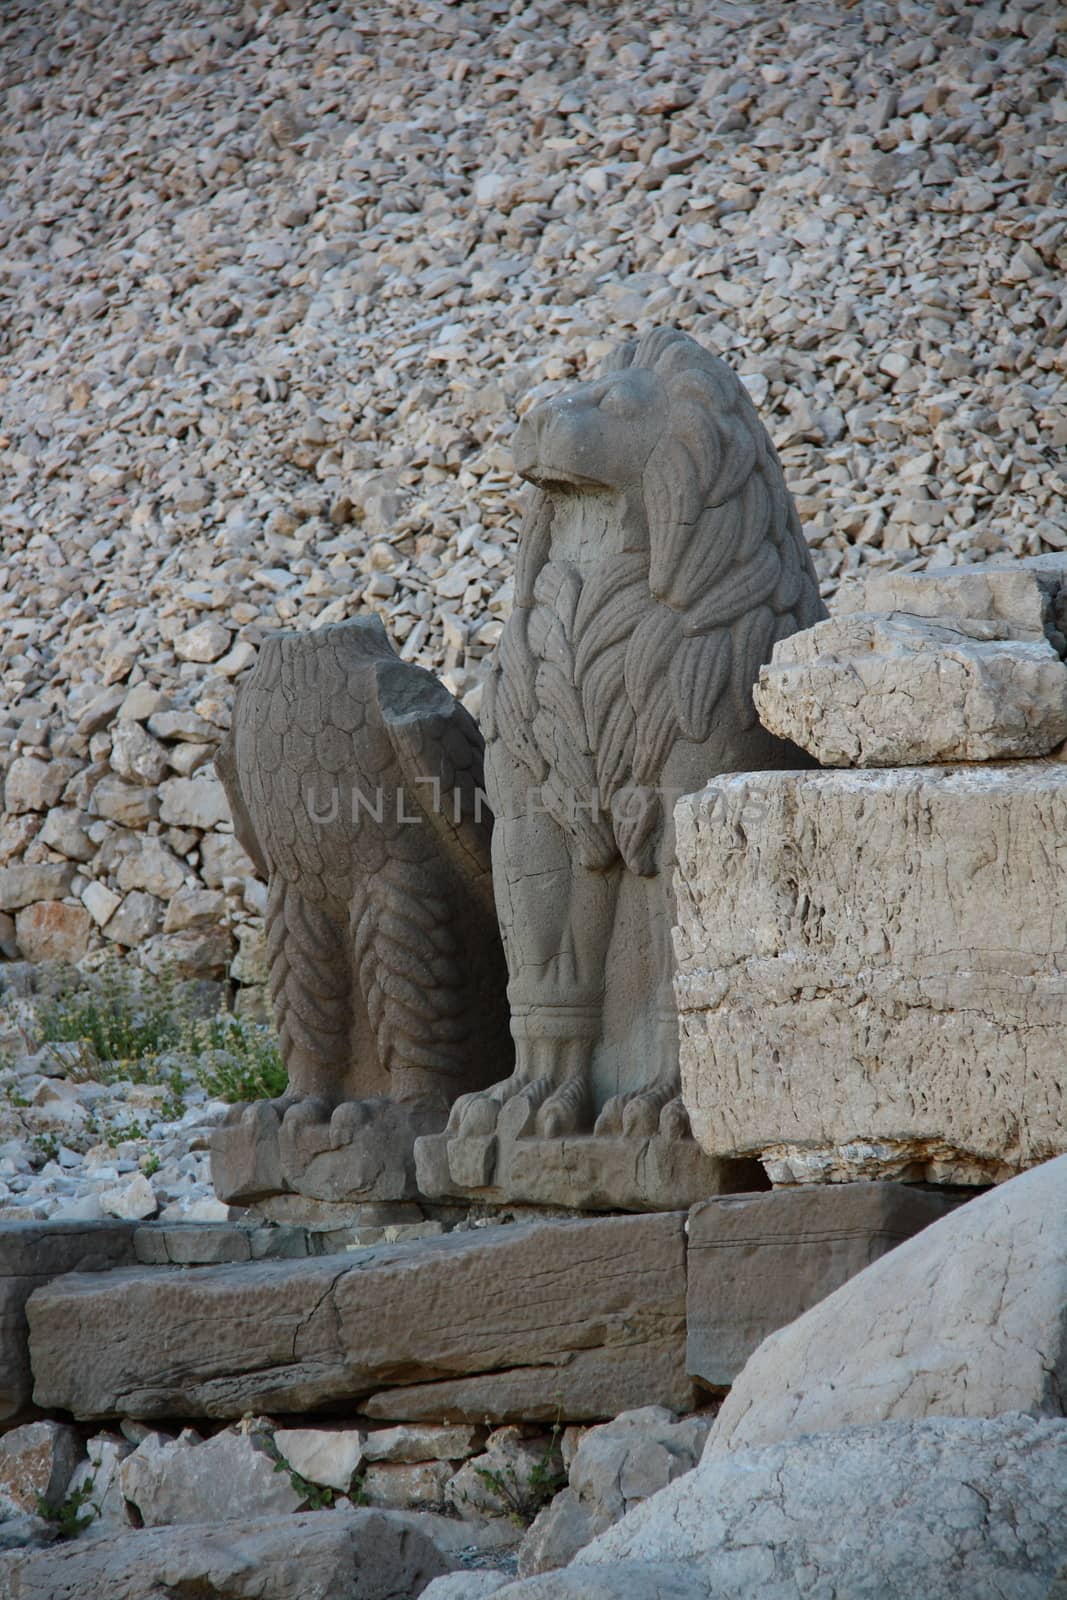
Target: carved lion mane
[(600, 674)]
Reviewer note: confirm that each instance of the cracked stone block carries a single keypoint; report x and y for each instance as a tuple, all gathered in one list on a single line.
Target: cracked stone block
[(758, 1261), (871, 690), (531, 1321), (871, 971)]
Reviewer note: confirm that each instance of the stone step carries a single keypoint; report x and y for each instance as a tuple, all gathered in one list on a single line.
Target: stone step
[(566, 1318), (555, 1319)]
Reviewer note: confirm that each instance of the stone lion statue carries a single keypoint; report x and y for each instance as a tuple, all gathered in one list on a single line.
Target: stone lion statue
[(660, 561)]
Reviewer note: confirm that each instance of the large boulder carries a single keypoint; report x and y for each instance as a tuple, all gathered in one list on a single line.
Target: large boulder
[(968, 1318), (942, 1509), (872, 980)]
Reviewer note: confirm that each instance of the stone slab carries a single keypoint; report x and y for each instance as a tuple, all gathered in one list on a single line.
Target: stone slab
[(873, 690), (361, 1555), (585, 1173), (758, 1261), (588, 1315), (31, 1254), (1027, 596), (968, 1318), (872, 980)]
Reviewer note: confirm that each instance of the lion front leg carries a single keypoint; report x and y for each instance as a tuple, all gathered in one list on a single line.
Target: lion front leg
[(556, 923)]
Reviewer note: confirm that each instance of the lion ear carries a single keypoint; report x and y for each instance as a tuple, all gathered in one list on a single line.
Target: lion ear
[(618, 360)]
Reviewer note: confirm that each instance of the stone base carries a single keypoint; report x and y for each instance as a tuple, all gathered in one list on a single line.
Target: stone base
[(576, 1319), (31, 1255), (581, 1173), (758, 1261), (342, 1159)]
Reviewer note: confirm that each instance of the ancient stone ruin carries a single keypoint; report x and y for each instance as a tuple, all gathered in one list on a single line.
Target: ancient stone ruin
[(356, 786), (533, 723), (661, 558)]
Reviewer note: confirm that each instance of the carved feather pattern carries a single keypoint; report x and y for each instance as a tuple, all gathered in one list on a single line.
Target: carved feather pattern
[(337, 745), (410, 972), (308, 978)]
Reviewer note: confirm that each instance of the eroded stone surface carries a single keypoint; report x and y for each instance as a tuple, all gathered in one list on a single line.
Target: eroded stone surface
[(867, 690), (870, 984), (532, 1320), (189, 1480), (758, 1261), (968, 1318), (316, 1556), (946, 1509)]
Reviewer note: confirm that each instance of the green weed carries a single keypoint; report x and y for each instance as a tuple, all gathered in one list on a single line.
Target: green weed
[(238, 1060), (69, 1517)]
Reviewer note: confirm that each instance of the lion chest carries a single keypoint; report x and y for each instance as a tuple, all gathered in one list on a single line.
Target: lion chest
[(590, 528)]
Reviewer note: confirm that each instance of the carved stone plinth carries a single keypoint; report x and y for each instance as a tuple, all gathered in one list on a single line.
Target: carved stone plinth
[(261, 1153), (584, 1172)]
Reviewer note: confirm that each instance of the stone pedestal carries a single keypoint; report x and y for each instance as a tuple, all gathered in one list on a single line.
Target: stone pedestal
[(596, 1172), (872, 979)]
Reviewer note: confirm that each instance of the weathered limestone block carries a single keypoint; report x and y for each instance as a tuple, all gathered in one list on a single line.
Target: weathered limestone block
[(25, 884), (529, 1321), (399, 1484), (51, 930), (660, 559), (328, 1456), (968, 1318), (36, 1464), (189, 1480), (315, 1556), (945, 1509), (31, 1254), (758, 1261), (872, 978), (615, 1467), (426, 1443), (355, 781), (1029, 597), (868, 690)]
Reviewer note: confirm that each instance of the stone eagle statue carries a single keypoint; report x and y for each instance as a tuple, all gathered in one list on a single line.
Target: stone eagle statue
[(355, 784), (660, 561)]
